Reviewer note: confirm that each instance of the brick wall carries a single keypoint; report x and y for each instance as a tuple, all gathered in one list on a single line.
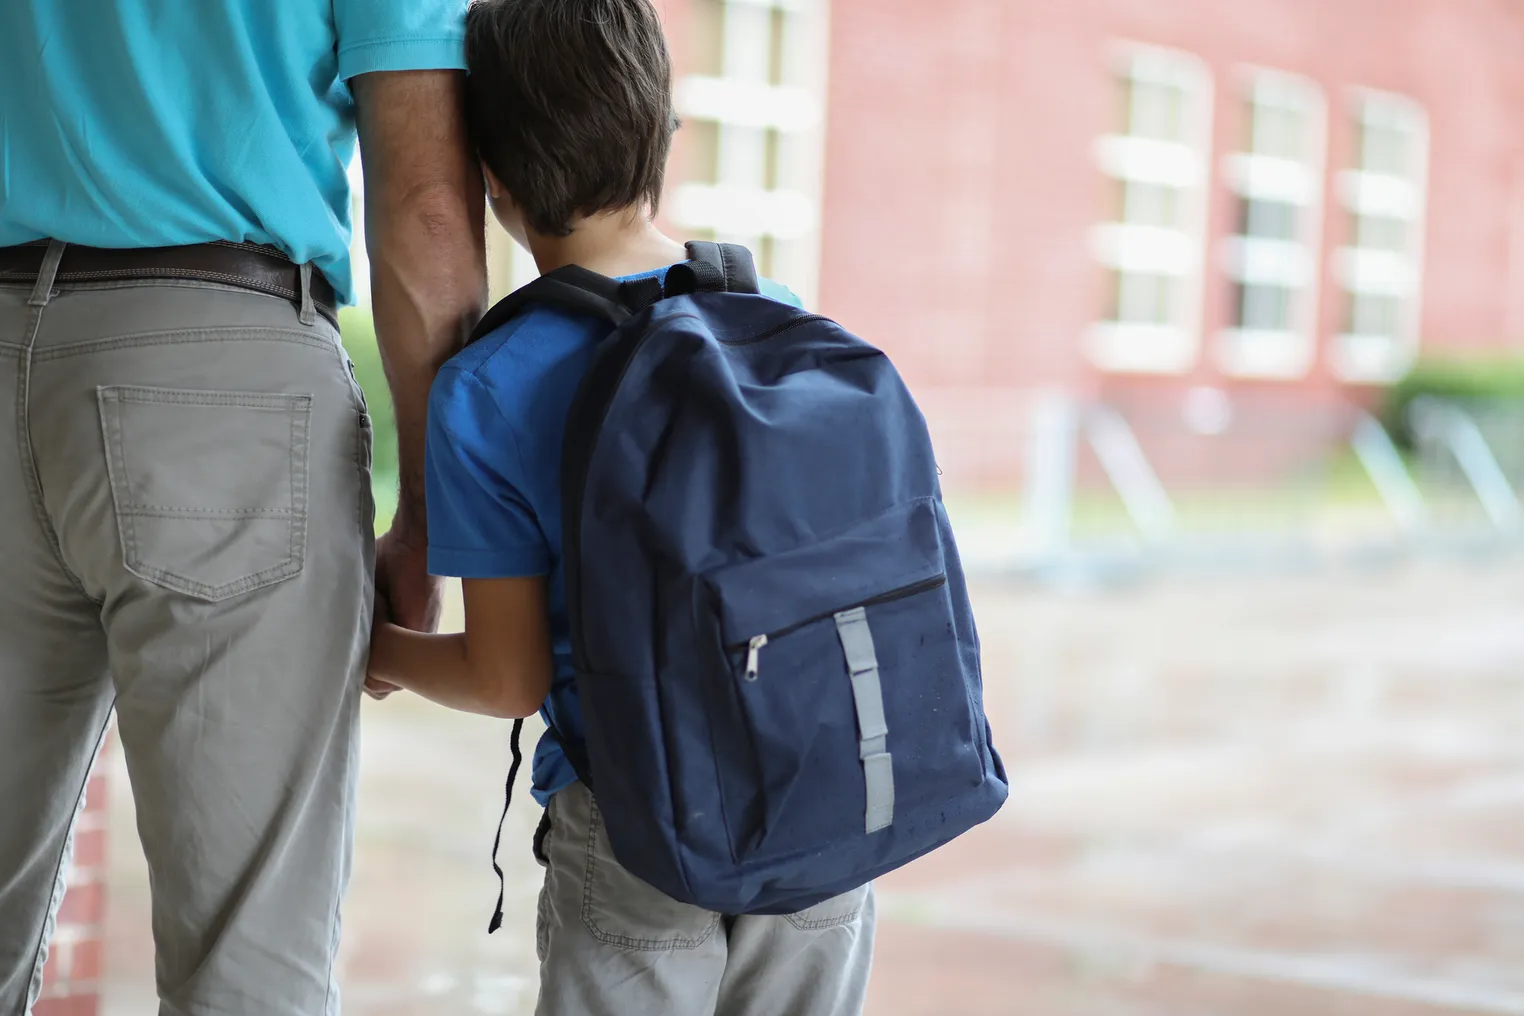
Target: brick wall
[(961, 188), (962, 185), (72, 978)]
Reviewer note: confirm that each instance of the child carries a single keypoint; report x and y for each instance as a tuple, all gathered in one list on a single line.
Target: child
[(572, 113)]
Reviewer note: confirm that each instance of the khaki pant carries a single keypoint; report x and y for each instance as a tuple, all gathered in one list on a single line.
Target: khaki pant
[(185, 535), (611, 945)]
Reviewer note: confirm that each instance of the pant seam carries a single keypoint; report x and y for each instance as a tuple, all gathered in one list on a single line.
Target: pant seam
[(367, 535), (50, 918), (28, 455), (341, 880), (333, 940)]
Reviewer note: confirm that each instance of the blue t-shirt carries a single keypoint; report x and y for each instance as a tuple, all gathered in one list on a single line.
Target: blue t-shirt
[(141, 123), (497, 416)]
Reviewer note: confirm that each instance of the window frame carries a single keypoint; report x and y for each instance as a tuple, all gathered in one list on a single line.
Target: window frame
[(1293, 262), (1121, 247), (767, 106), (1379, 271)]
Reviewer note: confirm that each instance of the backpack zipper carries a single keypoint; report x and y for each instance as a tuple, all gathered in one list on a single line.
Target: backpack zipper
[(753, 646), (753, 651)]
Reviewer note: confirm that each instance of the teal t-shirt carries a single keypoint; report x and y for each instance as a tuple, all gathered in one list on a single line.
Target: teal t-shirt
[(151, 123)]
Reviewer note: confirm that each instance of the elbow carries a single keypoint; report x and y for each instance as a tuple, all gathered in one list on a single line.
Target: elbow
[(436, 216), (510, 707), (517, 696)]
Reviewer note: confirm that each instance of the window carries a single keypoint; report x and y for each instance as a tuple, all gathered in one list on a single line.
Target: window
[(1280, 115), (1150, 204), (1268, 218), (752, 109), (1155, 104), (1379, 271), (1271, 259), (1375, 314), (1264, 308), (1149, 247), (1141, 298), (1381, 232)]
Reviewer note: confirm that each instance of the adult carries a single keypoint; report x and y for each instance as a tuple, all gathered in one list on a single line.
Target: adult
[(185, 514)]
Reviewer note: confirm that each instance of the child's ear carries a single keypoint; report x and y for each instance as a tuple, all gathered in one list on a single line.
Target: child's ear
[(494, 185)]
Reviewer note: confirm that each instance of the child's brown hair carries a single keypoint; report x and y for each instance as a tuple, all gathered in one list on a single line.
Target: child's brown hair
[(570, 104)]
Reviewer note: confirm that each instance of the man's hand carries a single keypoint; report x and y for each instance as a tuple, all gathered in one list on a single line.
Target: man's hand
[(406, 593), (375, 687)]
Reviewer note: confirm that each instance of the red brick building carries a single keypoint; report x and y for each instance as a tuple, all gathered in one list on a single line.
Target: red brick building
[(1277, 203)]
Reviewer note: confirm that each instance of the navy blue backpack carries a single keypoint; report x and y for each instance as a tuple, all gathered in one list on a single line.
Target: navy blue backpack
[(775, 653)]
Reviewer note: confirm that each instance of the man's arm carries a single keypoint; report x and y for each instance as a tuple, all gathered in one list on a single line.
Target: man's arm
[(424, 222)]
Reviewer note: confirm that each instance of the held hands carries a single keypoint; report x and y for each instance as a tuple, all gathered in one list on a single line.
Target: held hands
[(406, 594), (376, 687)]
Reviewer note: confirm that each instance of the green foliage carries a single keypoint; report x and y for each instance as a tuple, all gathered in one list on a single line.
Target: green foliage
[(1470, 380), (359, 333)]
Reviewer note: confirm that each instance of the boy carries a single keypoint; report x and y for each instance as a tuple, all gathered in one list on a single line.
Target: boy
[(572, 114)]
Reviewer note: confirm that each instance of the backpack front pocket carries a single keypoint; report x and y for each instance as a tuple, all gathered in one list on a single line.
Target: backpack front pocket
[(844, 658)]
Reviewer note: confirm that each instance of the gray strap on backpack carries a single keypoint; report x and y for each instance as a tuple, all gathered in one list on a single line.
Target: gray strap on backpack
[(872, 728)]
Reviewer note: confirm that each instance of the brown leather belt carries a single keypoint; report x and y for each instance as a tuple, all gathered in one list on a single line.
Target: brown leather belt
[(247, 266)]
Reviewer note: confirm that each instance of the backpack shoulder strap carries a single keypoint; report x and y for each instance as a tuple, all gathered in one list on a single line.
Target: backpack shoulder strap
[(714, 268), (575, 289)]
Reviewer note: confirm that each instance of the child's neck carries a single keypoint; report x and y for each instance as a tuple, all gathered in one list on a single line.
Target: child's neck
[(612, 243)]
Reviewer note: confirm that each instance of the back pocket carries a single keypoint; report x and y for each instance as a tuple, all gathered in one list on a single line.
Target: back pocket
[(845, 660), (210, 487)]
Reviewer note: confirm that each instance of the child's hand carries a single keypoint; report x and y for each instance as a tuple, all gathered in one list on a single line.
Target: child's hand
[(378, 689), (375, 687)]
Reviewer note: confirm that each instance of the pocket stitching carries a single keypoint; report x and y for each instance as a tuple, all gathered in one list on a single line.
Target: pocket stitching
[(164, 511), (589, 919), (825, 922), (148, 396), (299, 409), (802, 923), (184, 584)]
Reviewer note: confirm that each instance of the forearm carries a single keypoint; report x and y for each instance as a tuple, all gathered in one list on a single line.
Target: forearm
[(424, 221), (423, 316), (436, 667)]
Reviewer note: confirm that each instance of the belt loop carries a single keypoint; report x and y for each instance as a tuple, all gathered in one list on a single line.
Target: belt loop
[(309, 309), (43, 291)]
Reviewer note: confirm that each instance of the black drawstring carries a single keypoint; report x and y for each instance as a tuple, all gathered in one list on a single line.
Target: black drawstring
[(513, 774)]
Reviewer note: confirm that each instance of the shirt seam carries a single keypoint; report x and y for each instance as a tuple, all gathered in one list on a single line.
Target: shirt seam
[(488, 555), (402, 40), (445, 549), (461, 550), (506, 571)]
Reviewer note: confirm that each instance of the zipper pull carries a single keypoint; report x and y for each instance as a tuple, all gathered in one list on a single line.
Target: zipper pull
[(753, 651)]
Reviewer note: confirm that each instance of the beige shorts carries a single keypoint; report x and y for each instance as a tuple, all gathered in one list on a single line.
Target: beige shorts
[(611, 945)]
